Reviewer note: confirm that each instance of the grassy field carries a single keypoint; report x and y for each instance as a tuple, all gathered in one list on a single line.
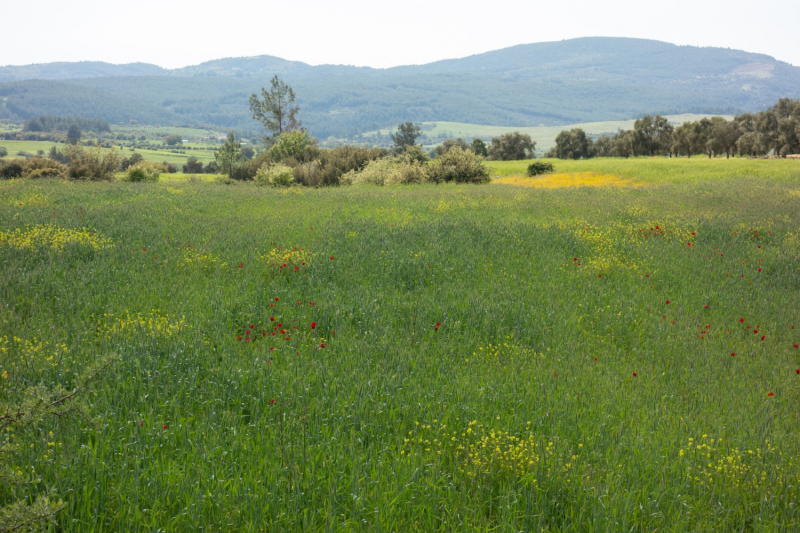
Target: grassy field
[(158, 156), (545, 136), (426, 358)]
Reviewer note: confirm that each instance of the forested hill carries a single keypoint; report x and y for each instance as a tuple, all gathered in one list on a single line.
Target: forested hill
[(578, 80)]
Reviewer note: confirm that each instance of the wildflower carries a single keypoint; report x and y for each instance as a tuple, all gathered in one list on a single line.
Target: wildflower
[(331, 258), (689, 244), (771, 394), (733, 354), (797, 371), (635, 374), (272, 319), (144, 249), (313, 325), (241, 265), (741, 320), (322, 345), (706, 306), (277, 299), (796, 346), (763, 337), (272, 402), (165, 426), (667, 302), (759, 270)]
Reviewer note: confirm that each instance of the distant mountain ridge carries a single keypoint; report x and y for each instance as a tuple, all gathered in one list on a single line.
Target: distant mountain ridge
[(576, 80)]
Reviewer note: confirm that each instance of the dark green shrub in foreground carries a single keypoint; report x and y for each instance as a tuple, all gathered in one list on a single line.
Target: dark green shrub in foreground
[(539, 167), (10, 169)]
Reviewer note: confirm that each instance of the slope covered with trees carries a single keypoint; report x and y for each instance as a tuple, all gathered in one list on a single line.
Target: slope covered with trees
[(555, 83)]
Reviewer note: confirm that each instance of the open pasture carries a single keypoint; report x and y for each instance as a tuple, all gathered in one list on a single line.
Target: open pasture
[(422, 358)]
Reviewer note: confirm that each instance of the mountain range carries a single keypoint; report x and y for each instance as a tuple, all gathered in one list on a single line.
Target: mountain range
[(555, 83)]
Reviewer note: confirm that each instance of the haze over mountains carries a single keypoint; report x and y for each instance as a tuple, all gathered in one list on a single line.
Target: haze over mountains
[(578, 80)]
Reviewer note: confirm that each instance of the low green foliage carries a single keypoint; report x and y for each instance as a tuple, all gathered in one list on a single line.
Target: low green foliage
[(539, 167), (276, 175), (144, 171)]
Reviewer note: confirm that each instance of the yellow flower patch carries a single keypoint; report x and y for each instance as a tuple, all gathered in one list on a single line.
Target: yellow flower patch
[(53, 238), (200, 260), (289, 257), (152, 324), (568, 179)]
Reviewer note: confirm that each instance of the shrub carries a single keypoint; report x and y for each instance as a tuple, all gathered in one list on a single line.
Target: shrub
[(277, 175), (144, 171), (407, 174), (91, 164), (39, 167), (11, 169), (539, 167), (297, 145), (459, 166), (388, 171), (3, 151), (308, 174), (414, 153), (374, 173)]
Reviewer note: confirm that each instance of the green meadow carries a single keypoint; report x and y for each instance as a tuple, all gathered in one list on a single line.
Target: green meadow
[(157, 156), (418, 358)]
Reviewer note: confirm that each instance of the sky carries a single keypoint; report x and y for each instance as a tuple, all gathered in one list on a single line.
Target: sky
[(376, 33)]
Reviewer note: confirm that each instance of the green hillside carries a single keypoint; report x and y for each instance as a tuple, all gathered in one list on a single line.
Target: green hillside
[(544, 84)]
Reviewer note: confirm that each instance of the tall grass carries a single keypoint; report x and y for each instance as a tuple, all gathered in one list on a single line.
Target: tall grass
[(482, 357)]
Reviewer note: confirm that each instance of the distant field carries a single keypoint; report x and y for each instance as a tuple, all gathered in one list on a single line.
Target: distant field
[(158, 156), (665, 170), (157, 131), (545, 136)]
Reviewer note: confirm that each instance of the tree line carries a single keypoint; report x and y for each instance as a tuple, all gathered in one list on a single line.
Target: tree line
[(773, 131)]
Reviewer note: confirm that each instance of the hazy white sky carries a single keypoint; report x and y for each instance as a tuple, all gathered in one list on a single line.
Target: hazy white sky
[(176, 33)]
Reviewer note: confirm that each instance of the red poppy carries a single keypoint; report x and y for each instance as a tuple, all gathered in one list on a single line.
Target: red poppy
[(263, 334), (688, 244), (763, 337), (331, 258), (277, 299), (771, 394), (667, 302), (741, 320), (759, 270), (733, 354), (706, 307), (247, 332), (313, 325), (165, 426), (796, 346), (241, 265), (322, 345), (272, 319), (797, 371), (272, 402), (595, 358), (635, 374)]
